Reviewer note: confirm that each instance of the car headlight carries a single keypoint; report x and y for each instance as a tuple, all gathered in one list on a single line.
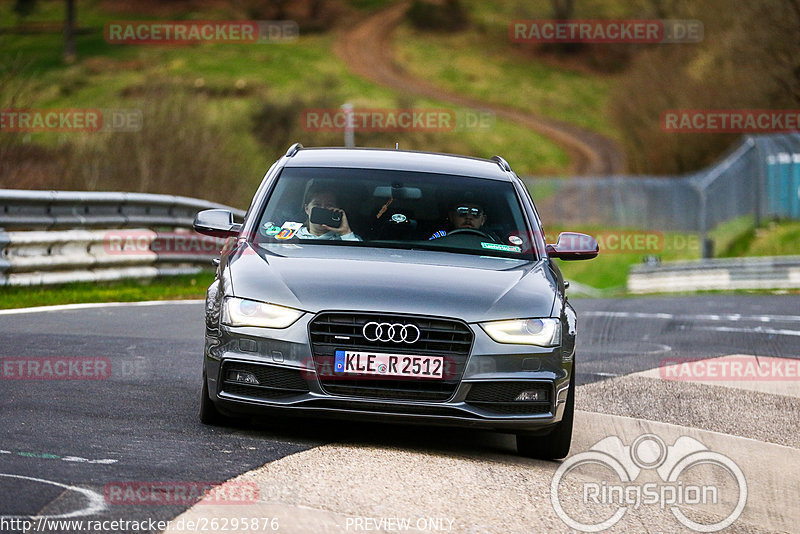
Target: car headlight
[(244, 312), (542, 332)]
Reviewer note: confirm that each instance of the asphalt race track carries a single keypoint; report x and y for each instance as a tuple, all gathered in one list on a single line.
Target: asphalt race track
[(63, 442), (143, 417)]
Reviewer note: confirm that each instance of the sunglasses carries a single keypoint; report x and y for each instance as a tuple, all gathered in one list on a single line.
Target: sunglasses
[(464, 210)]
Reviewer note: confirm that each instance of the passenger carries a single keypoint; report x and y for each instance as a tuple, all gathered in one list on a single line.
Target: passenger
[(324, 198), (463, 215)]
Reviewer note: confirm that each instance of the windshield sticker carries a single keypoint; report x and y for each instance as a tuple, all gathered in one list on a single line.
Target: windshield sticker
[(515, 240), (271, 229), (399, 218), (288, 230), (498, 246)]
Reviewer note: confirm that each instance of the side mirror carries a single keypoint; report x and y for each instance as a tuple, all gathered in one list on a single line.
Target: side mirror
[(216, 223), (574, 246)]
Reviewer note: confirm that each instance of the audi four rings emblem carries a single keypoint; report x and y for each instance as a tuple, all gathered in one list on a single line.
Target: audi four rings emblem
[(396, 332)]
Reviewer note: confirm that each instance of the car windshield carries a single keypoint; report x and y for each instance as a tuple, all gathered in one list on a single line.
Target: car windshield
[(395, 209)]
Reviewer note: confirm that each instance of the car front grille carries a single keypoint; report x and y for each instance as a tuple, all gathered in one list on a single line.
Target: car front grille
[(332, 331), (274, 382)]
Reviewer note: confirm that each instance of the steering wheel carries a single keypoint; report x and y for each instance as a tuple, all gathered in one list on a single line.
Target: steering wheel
[(473, 231)]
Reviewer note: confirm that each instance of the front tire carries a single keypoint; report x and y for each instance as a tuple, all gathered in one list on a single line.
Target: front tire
[(556, 444)]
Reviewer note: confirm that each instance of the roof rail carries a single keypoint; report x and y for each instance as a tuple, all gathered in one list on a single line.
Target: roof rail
[(293, 150), (503, 163)]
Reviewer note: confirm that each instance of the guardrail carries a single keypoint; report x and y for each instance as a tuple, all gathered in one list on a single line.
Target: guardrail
[(71, 236), (772, 272)]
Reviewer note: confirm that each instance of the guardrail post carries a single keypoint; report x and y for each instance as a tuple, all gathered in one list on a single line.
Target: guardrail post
[(4, 263), (706, 244)]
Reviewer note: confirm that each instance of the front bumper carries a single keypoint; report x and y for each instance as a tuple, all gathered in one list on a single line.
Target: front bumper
[(484, 397)]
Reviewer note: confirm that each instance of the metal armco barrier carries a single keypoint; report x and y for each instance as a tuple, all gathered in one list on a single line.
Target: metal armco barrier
[(779, 272), (49, 237)]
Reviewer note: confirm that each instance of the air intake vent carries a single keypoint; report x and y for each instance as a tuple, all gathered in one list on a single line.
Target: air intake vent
[(272, 382)]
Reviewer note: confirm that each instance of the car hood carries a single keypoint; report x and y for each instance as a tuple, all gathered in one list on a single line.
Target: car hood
[(329, 277)]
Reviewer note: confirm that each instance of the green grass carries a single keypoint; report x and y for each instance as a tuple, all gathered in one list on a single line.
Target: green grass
[(776, 239), (485, 67), (369, 5), (108, 76), (735, 238), (739, 237), (163, 288), (481, 62), (609, 270), (497, 14)]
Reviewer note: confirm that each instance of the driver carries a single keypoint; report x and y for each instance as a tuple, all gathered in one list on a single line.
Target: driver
[(463, 215)]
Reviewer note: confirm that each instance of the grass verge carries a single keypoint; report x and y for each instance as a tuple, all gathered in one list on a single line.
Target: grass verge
[(622, 248), (162, 288), (735, 238), (228, 85), (480, 67)]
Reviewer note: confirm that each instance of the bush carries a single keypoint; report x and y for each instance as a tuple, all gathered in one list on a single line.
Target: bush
[(449, 16), (177, 151), (748, 59), (279, 125)]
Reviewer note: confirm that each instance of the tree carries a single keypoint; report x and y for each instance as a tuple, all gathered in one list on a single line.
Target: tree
[(70, 53), (769, 50), (563, 9), (664, 9), (23, 8)]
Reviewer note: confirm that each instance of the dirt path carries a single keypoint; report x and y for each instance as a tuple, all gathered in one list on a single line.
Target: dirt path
[(367, 50)]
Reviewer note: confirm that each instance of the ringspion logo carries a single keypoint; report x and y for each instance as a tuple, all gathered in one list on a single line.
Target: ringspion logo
[(677, 482)]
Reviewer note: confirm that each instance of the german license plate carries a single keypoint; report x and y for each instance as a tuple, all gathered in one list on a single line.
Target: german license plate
[(383, 364)]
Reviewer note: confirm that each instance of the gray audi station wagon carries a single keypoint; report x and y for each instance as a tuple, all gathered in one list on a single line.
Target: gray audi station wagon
[(394, 286)]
